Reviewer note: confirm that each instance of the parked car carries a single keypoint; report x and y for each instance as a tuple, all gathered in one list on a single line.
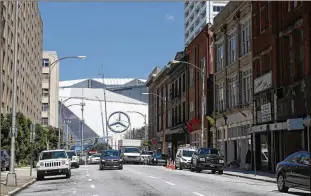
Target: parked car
[(294, 172), (95, 158), (146, 157), (207, 159), (74, 158), (183, 157), (5, 160), (111, 159), (52, 163), (159, 159)]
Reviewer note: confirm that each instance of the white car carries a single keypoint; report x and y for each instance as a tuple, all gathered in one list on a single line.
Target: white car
[(95, 158), (52, 163), (74, 159)]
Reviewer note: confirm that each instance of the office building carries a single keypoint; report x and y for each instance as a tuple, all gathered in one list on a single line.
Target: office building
[(50, 78), (29, 48), (198, 14)]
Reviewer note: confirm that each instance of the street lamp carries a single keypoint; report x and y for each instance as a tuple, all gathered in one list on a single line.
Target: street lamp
[(164, 119), (145, 121), (202, 96), (51, 66), (102, 116)]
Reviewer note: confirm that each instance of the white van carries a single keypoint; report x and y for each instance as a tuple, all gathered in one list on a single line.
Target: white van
[(183, 156)]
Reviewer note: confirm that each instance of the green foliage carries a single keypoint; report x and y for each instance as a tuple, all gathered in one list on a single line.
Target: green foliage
[(100, 147), (23, 144)]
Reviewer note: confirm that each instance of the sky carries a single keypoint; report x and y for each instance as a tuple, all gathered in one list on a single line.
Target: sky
[(129, 39)]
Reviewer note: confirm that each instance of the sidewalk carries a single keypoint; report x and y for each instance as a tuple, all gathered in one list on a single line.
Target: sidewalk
[(242, 173), (23, 180)]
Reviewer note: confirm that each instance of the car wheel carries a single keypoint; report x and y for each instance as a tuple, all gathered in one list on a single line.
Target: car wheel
[(7, 169), (281, 184), (40, 177), (68, 175), (213, 171), (198, 170), (191, 168), (221, 172)]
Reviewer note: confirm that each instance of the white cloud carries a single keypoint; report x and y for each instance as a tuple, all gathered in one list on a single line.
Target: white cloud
[(170, 17)]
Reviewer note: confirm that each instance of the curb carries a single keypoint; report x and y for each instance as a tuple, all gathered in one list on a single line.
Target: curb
[(251, 178), (19, 189)]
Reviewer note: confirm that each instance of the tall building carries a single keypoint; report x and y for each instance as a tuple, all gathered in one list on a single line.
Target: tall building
[(50, 78), (198, 14), (29, 54)]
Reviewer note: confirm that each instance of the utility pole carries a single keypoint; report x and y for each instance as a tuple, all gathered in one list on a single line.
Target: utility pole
[(2, 25), (11, 176), (202, 106), (82, 125)]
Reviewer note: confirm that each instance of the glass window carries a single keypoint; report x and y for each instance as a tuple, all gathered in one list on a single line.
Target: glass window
[(107, 153), (208, 151), (187, 153), (71, 153), (131, 150), (295, 158), (305, 159), (53, 155)]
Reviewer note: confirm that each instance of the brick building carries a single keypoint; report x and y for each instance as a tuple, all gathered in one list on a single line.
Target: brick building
[(280, 65), (200, 54), (157, 88), (233, 81)]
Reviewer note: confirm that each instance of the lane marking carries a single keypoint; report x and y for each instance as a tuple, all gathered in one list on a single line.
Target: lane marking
[(90, 180), (199, 194), (138, 172), (151, 177), (74, 192), (74, 183), (87, 174), (92, 186), (169, 183)]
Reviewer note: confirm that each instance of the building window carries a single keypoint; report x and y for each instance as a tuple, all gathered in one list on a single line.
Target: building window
[(45, 107), (247, 86), (160, 122), (232, 49), (246, 44), (202, 66), (45, 76), (220, 57), (301, 53), (191, 76), (45, 92), (46, 63), (217, 8), (45, 121), (232, 91), (290, 55), (220, 97), (184, 83)]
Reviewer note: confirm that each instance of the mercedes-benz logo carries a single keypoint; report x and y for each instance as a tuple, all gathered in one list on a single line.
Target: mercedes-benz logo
[(119, 122)]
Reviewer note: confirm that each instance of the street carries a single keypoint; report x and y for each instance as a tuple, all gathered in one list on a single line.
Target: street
[(140, 180)]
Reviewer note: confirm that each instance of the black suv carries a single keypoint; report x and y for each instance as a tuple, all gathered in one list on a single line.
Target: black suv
[(207, 159)]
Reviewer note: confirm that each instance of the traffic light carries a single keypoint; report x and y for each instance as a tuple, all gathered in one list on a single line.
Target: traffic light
[(72, 141)]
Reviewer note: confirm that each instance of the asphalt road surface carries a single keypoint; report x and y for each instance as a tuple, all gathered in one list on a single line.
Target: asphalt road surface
[(140, 180)]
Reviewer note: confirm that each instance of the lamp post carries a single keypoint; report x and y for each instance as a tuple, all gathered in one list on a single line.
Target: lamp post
[(11, 176), (102, 116), (164, 119), (202, 96), (145, 122), (51, 66)]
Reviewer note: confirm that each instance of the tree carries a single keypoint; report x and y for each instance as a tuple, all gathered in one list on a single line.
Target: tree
[(23, 144), (100, 147)]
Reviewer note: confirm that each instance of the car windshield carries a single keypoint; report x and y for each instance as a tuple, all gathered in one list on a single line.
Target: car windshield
[(208, 151), (187, 153), (110, 153), (71, 153), (131, 150), (53, 155), (147, 153), (96, 155)]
